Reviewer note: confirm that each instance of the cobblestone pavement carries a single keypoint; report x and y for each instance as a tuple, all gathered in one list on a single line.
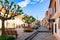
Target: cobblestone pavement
[(23, 35), (40, 36), (43, 29), (44, 35)]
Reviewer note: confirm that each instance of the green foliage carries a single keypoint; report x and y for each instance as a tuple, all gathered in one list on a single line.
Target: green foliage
[(11, 6), (33, 19), (12, 10), (25, 19), (7, 38), (37, 22), (28, 19)]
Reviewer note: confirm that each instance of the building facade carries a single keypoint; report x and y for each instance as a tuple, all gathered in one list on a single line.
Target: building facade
[(13, 23), (45, 19), (54, 10)]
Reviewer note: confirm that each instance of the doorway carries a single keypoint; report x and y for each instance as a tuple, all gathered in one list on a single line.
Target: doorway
[(52, 29)]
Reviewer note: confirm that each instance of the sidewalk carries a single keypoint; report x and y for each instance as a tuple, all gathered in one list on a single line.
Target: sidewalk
[(58, 38), (44, 35), (23, 35), (43, 29)]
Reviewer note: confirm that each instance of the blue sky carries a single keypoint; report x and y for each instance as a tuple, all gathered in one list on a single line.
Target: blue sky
[(36, 8)]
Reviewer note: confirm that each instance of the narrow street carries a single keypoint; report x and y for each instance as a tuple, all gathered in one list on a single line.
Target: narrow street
[(44, 35), (43, 29)]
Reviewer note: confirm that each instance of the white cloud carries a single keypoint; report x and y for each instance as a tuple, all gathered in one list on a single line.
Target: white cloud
[(35, 1), (41, 1), (24, 3), (32, 2)]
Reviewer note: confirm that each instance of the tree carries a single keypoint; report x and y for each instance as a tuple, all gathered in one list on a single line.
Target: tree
[(28, 19), (32, 19), (37, 22), (11, 10)]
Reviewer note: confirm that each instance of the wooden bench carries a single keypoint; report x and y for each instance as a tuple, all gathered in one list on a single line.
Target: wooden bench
[(28, 29), (11, 32)]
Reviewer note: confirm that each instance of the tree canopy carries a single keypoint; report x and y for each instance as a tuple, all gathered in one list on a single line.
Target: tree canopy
[(8, 10), (28, 19), (11, 9)]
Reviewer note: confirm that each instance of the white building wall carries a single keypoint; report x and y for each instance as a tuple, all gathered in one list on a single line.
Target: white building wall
[(12, 23), (58, 30), (0, 23), (18, 21), (54, 27), (50, 10)]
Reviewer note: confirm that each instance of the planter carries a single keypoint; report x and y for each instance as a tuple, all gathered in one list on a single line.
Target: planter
[(28, 29)]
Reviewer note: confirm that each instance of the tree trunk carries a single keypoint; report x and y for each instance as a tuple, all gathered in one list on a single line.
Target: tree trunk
[(3, 28), (28, 24)]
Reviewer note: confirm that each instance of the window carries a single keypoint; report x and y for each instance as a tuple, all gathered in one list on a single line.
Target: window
[(55, 7), (53, 11)]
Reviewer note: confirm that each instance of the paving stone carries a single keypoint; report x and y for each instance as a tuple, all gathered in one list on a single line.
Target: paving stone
[(23, 35), (39, 36), (44, 36)]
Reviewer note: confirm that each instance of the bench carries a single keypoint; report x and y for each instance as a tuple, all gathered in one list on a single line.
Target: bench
[(27, 29), (11, 32)]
